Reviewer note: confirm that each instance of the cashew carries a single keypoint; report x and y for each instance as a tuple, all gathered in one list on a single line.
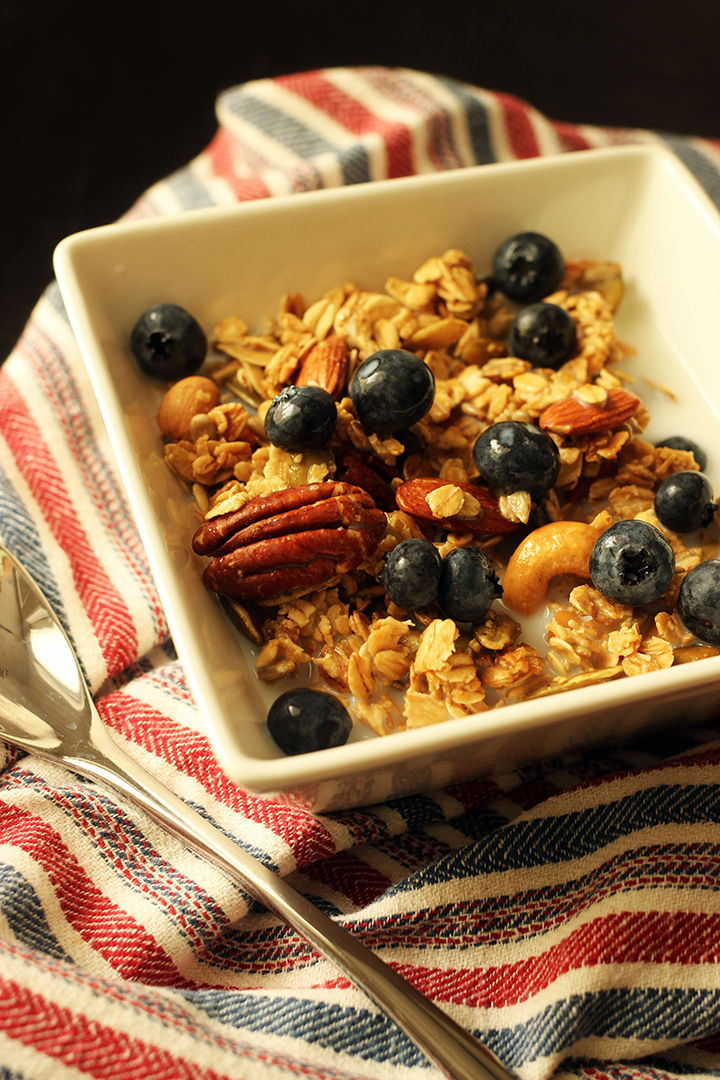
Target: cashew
[(560, 547)]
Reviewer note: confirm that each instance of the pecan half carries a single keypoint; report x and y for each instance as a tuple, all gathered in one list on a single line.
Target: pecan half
[(355, 468), (294, 539), (424, 498)]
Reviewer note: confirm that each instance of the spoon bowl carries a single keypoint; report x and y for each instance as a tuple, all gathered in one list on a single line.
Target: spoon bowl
[(44, 702)]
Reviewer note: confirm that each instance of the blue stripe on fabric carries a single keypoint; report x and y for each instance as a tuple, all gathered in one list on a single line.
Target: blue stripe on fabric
[(545, 841), (288, 131), (278, 125), (20, 536), (297, 137), (355, 1032), (477, 122), (189, 192), (170, 679), (410, 851), (440, 132), (252, 849), (326, 906), (417, 810), (439, 137), (477, 824), (396, 86), (662, 745), (160, 657), (11, 1074), (21, 906), (622, 1013), (703, 170), (267, 948), (354, 164)]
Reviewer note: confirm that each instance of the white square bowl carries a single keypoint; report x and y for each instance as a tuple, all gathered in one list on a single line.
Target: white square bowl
[(636, 205)]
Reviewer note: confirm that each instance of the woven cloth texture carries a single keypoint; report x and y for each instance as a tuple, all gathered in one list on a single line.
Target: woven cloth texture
[(568, 914)]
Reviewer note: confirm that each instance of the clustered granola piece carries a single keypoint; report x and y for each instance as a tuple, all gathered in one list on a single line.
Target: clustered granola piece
[(401, 672)]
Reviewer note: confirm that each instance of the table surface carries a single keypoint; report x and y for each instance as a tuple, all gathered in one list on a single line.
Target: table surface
[(98, 106)]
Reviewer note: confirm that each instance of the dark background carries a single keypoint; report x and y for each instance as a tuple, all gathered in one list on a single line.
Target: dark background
[(102, 99)]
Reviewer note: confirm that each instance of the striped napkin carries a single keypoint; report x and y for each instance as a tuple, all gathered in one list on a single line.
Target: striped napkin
[(568, 914)]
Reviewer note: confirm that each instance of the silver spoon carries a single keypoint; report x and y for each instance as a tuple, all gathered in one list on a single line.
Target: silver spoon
[(46, 708)]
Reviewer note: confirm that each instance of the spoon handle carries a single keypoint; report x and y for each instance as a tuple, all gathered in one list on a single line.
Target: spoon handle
[(455, 1051)]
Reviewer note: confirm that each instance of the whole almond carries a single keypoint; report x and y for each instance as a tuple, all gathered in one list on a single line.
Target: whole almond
[(573, 416), (412, 497), (325, 366), (185, 399)]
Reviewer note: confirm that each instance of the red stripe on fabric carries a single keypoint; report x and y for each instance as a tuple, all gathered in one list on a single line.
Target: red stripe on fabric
[(358, 882), (691, 760), (35, 345), (614, 1072), (110, 618), (518, 127), (171, 679), (190, 754), (355, 117), (79, 1042), (710, 756), (438, 129), (475, 793), (413, 852), (363, 828), (532, 792), (709, 1043), (220, 156), (111, 932), (569, 136), (653, 937)]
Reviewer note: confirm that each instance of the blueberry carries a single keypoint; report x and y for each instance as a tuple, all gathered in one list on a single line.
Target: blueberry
[(684, 501), (632, 563), (679, 442), (301, 418), (168, 343), (468, 585), (410, 574), (392, 390), (304, 720), (527, 267), (544, 334), (699, 601), (515, 456)]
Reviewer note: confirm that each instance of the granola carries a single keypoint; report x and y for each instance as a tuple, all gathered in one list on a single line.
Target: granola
[(398, 670)]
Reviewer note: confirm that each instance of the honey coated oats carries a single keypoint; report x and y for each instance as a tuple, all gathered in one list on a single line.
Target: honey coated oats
[(400, 670)]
